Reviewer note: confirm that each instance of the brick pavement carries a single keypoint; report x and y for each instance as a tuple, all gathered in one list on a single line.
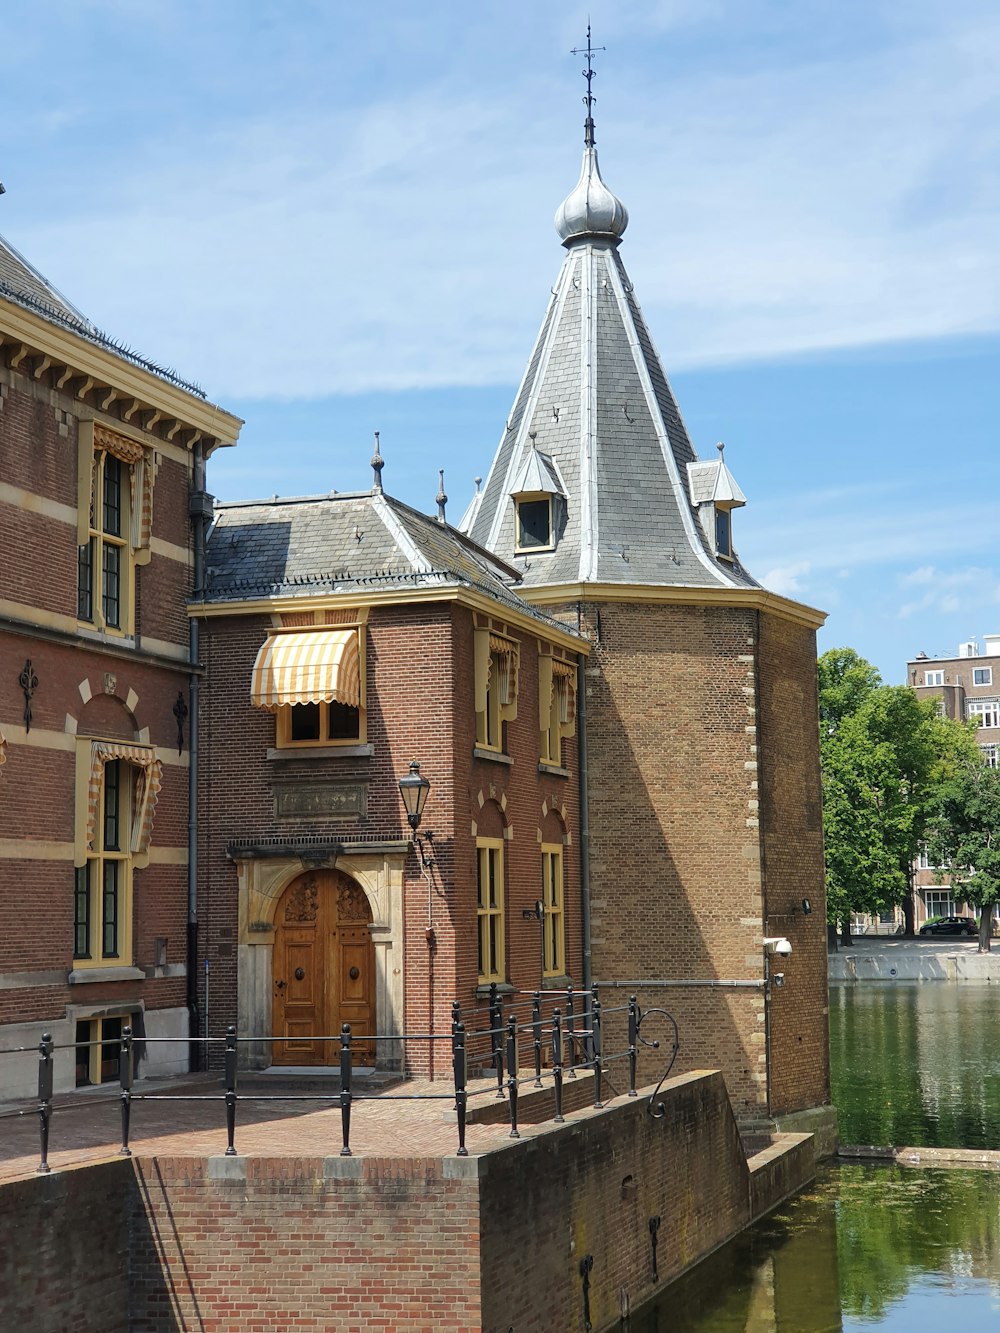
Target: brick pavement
[(380, 1124)]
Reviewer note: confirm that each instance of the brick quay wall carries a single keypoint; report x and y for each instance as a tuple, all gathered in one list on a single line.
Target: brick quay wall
[(497, 1240)]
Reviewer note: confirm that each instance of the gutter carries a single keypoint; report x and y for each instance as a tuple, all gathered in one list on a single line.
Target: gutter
[(582, 766), (200, 511)]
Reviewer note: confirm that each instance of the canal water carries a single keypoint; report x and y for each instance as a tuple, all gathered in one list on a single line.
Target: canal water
[(867, 1246)]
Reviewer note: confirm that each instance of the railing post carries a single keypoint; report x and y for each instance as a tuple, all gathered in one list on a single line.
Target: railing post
[(125, 1080), (345, 1088), (461, 1095), (230, 1089), (536, 1035), (456, 1023), (44, 1097), (496, 1033), (570, 1038), (595, 1022), (633, 1042), (557, 1066), (512, 1074)]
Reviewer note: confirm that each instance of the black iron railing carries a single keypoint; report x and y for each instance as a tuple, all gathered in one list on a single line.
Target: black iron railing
[(563, 1029)]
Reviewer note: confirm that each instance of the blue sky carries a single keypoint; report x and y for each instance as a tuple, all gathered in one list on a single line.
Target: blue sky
[(338, 218)]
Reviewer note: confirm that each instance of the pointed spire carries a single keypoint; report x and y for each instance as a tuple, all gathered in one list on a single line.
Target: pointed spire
[(442, 499), (590, 209), (378, 463)]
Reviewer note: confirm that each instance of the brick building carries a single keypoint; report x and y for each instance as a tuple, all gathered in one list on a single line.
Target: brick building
[(968, 687), (101, 454), (345, 636), (703, 794), (615, 718)]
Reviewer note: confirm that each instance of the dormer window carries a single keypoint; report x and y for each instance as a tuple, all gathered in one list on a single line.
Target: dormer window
[(537, 493), (723, 533), (715, 495), (534, 523)]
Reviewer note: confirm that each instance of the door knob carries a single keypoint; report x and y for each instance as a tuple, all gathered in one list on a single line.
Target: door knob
[(299, 973)]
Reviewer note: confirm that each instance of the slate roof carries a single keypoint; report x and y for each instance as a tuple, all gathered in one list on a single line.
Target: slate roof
[(598, 403), (347, 543), (23, 285)]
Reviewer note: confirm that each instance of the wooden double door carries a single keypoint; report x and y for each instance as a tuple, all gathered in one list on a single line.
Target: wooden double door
[(323, 970)]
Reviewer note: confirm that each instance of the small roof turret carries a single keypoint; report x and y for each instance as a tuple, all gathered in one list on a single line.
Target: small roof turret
[(713, 483), (537, 475)]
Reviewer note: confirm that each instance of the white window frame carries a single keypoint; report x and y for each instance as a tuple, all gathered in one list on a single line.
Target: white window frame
[(932, 899), (933, 677), (987, 711), (985, 672)]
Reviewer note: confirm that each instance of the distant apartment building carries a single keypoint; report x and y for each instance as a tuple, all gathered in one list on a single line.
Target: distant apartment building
[(968, 686)]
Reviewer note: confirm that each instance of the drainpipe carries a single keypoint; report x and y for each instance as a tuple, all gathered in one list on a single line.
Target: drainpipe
[(200, 510), (581, 759)]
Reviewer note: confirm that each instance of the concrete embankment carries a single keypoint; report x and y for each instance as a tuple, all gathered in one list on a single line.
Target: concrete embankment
[(928, 959)]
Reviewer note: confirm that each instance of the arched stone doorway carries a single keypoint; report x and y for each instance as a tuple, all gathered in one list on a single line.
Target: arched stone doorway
[(323, 970)]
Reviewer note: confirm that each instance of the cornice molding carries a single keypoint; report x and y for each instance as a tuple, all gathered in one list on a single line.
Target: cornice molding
[(60, 348), (758, 599), (467, 597)]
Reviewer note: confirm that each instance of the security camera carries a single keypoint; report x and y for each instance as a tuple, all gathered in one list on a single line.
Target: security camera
[(779, 979), (777, 944)]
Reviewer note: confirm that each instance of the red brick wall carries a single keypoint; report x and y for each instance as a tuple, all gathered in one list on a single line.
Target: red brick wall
[(792, 840), (420, 705), (287, 1247), (64, 1261), (256, 1244), (38, 454), (674, 864), (703, 784)]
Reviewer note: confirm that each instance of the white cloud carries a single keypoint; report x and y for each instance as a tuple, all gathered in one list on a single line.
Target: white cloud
[(786, 581), (310, 247)]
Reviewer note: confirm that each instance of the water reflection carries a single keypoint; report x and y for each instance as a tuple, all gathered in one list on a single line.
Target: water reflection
[(916, 1063), (867, 1247)]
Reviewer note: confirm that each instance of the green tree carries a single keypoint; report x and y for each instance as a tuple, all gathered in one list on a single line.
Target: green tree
[(884, 754), (846, 680), (965, 836)]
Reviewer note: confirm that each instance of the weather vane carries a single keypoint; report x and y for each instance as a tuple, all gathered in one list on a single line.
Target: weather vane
[(589, 74)]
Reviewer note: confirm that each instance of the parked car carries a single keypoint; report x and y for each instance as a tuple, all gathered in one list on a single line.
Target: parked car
[(951, 925)]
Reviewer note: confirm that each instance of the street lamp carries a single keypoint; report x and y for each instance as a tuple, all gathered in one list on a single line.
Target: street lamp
[(413, 789)]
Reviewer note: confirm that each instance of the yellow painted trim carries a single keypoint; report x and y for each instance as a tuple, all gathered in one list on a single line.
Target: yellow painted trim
[(468, 597), (757, 599), (177, 651), (170, 757), (167, 856), (170, 551), (104, 367), (24, 849), (39, 739), (84, 481), (35, 615), (81, 785), (497, 845), (146, 438), (37, 504)]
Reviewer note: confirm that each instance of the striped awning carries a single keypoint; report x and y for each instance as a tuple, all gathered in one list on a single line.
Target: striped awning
[(147, 772), (308, 667)]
